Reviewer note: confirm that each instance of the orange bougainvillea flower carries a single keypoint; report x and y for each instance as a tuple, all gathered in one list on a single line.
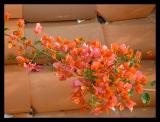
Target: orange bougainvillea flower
[(66, 41), (59, 39), (77, 100), (33, 51), (10, 44), (95, 65), (130, 53), (69, 60), (114, 47), (20, 23), (138, 54), (21, 59), (72, 45), (128, 75), (45, 39), (121, 106), (144, 80), (122, 48), (18, 33), (139, 88), (130, 104), (140, 78), (28, 43), (6, 17), (133, 70), (77, 41)]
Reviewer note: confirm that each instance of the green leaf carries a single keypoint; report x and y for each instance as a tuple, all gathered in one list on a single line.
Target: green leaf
[(93, 101), (37, 42), (153, 83), (23, 38), (131, 92), (124, 58), (59, 55), (126, 80), (89, 72), (12, 57), (131, 63), (5, 29), (112, 78), (145, 98), (116, 71), (92, 78)]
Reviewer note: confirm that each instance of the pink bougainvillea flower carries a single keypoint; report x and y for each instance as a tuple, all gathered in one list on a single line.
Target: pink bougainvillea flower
[(38, 28), (57, 45), (130, 104), (95, 52), (76, 83), (57, 65), (99, 90), (128, 86), (65, 48), (32, 67), (20, 23), (105, 47), (62, 77), (111, 59), (85, 52), (13, 37)]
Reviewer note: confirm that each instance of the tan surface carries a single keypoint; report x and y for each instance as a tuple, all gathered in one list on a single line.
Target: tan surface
[(15, 10), (41, 13), (16, 90), (112, 12), (137, 33), (146, 112), (89, 30)]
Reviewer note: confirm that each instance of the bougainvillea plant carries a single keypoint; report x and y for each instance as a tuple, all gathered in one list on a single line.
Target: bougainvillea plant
[(106, 78)]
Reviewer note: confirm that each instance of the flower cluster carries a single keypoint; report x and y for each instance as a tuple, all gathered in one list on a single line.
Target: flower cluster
[(106, 78)]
